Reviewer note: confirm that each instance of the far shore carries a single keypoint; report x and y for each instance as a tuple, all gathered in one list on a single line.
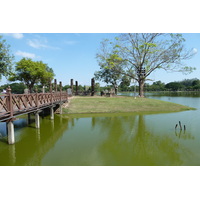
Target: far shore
[(120, 104)]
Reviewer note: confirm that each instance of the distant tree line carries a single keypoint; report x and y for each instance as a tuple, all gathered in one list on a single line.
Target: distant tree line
[(184, 85), (124, 86)]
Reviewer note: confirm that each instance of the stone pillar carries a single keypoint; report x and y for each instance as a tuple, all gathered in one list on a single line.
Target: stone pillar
[(76, 87), (37, 120), (55, 85), (60, 92), (10, 132), (72, 85), (92, 87)]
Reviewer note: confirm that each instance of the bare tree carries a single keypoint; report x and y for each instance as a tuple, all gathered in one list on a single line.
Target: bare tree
[(137, 55)]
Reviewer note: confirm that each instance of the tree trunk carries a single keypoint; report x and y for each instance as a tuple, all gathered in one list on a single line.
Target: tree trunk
[(115, 90), (30, 87), (141, 87)]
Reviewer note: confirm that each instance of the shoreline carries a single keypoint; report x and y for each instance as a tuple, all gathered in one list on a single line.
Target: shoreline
[(120, 104)]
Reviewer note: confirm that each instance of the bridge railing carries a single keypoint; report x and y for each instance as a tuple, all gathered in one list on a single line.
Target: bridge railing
[(12, 104)]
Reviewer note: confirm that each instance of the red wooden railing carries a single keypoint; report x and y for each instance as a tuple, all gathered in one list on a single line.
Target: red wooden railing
[(15, 104)]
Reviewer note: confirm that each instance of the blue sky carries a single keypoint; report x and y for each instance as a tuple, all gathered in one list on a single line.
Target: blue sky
[(72, 55)]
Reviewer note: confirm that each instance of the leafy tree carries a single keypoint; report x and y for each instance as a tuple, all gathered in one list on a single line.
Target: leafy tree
[(47, 76), (187, 82), (158, 86), (174, 86), (195, 82), (5, 58), (17, 88), (31, 72), (109, 76), (196, 87), (66, 87), (137, 55), (125, 83)]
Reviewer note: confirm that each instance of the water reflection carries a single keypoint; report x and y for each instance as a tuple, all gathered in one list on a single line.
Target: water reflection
[(31, 143), (113, 139), (130, 143)]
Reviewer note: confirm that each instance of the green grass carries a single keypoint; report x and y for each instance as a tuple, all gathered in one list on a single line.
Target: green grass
[(120, 105)]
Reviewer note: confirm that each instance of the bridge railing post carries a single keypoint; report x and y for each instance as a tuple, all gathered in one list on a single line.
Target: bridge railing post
[(9, 101), (60, 97), (60, 91), (36, 98)]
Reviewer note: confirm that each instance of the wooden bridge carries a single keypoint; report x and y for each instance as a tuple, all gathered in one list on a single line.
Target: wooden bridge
[(13, 105)]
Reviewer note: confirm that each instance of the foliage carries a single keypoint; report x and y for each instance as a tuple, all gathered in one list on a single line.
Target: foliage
[(108, 75), (17, 88), (158, 85), (174, 86), (184, 85), (137, 55), (32, 72), (5, 58), (125, 83)]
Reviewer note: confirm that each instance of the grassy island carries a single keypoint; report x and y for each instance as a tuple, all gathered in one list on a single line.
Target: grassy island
[(120, 104)]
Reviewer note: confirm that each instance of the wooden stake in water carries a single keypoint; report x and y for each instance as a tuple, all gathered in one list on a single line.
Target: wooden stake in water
[(180, 125)]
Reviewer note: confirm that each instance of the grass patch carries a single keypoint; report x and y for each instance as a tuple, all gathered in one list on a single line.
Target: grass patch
[(120, 104)]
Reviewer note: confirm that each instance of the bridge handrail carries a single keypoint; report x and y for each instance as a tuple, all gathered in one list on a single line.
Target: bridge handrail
[(10, 104)]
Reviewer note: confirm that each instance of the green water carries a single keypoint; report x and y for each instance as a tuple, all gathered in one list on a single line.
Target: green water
[(107, 139)]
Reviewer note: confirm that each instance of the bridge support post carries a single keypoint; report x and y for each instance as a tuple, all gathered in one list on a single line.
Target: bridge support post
[(10, 132), (51, 113), (37, 120)]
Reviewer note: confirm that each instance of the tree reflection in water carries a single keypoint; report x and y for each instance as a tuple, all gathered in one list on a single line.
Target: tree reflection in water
[(130, 143), (109, 140)]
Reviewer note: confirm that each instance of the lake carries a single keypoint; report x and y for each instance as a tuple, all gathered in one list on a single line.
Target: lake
[(128, 139)]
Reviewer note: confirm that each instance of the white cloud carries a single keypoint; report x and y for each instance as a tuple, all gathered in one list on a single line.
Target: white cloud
[(15, 35), (70, 42), (35, 43), (25, 54), (40, 43), (18, 35), (194, 50)]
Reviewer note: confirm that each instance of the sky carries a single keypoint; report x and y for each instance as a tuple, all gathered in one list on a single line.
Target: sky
[(72, 55)]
